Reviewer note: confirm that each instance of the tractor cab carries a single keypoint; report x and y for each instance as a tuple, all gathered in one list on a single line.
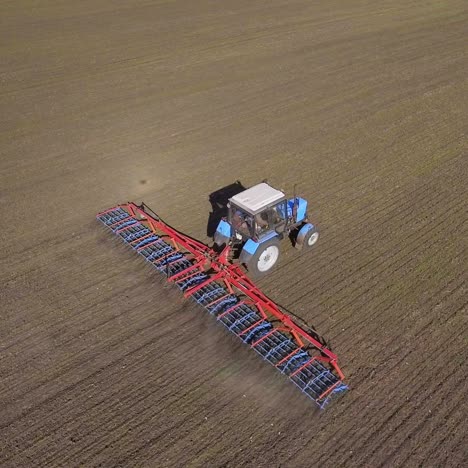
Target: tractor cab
[(258, 218), (257, 212)]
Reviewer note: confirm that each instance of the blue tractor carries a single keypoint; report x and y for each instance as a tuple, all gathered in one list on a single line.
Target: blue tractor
[(258, 218)]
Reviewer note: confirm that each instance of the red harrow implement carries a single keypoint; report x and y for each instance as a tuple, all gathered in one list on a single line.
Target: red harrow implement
[(227, 293)]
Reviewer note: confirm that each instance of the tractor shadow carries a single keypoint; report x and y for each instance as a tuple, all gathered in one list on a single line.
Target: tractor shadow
[(219, 200)]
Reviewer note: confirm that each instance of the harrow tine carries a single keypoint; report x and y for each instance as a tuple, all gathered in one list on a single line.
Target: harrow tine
[(251, 326), (264, 337), (119, 221), (262, 326), (292, 353), (310, 361), (145, 246), (226, 312), (107, 211)]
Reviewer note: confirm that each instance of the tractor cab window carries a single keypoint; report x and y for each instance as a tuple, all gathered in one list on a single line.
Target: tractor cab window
[(270, 219), (262, 223), (241, 221), (279, 213)]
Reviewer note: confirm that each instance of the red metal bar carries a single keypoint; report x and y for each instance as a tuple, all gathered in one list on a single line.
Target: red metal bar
[(260, 309), (148, 244), (175, 261), (124, 228), (189, 276), (337, 369), (108, 211), (120, 221), (230, 309), (252, 326), (157, 260), (142, 238), (130, 207), (217, 300), (201, 285), (310, 361), (264, 337), (328, 390), (228, 285), (187, 270), (290, 355)]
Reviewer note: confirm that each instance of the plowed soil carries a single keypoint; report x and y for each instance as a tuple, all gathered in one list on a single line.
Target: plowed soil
[(363, 104)]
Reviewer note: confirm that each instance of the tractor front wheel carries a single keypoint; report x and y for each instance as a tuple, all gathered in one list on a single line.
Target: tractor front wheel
[(265, 258), (311, 238)]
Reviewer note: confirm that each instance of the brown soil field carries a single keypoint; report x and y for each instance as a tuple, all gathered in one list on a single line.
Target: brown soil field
[(363, 104)]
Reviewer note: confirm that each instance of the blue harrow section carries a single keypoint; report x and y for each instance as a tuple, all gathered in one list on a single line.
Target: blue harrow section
[(302, 366)]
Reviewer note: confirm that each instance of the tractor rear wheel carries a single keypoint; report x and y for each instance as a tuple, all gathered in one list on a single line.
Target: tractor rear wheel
[(265, 258)]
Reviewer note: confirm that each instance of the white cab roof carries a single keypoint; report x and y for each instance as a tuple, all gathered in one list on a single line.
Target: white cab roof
[(257, 197)]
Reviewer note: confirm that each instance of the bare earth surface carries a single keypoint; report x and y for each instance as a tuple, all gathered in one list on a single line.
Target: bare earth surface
[(363, 103)]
